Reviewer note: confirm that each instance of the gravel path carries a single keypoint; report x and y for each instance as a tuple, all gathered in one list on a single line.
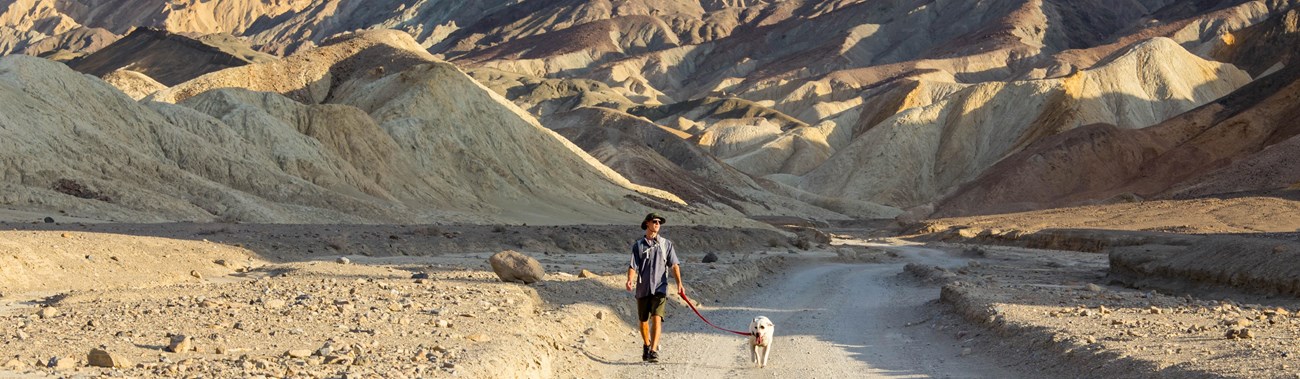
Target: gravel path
[(832, 321)]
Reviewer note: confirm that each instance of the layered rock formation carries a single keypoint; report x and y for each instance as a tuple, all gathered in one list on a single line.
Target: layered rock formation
[(1239, 143), (421, 144), (839, 108)]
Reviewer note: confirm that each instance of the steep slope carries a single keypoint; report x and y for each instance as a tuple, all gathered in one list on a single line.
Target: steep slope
[(1240, 143), (650, 154), (923, 153), (168, 58), (80, 41), (426, 144), (312, 75)]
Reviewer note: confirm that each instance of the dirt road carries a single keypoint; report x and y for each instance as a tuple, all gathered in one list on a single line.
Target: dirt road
[(832, 321)]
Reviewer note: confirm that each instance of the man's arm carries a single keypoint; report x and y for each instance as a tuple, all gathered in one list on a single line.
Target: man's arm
[(631, 278), (677, 272)]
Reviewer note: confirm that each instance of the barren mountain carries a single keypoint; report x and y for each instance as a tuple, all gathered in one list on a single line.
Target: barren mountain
[(1235, 144), (166, 57), (859, 107), (419, 144)]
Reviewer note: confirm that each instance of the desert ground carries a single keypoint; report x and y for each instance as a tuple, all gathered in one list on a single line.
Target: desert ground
[(235, 300)]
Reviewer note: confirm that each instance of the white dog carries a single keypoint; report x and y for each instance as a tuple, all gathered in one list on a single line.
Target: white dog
[(760, 336)]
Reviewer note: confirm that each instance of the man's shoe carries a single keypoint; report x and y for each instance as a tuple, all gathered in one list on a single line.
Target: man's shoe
[(654, 356), (645, 353)]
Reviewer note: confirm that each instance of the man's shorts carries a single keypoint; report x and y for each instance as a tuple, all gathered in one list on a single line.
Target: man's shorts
[(653, 304)]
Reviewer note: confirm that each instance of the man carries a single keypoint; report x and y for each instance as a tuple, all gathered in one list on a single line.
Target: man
[(648, 274)]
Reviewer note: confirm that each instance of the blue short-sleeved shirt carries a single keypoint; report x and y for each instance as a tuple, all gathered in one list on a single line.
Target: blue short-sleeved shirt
[(651, 259)]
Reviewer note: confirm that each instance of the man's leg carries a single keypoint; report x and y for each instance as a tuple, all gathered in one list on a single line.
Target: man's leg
[(654, 337), (645, 332)]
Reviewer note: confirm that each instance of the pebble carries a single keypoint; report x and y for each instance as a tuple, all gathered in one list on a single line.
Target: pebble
[(298, 353), (48, 312), (103, 358), (343, 260), (587, 274), (180, 344)]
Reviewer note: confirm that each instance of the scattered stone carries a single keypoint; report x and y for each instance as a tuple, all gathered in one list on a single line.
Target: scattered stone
[(273, 303), (587, 274), (600, 315), (180, 344), (196, 274), (710, 258), (1093, 288), (420, 275), (1237, 322), (1156, 310), (49, 220), (442, 324), (298, 353), (966, 352), (65, 235), (48, 312), (478, 337), (343, 260), (102, 358), (512, 266), (58, 363)]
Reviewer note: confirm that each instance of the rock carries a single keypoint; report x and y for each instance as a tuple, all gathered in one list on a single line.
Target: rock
[(420, 275), (196, 274), (600, 315), (1093, 288), (48, 312), (65, 235), (1237, 322), (14, 363), (49, 220), (442, 324), (298, 353), (61, 363), (180, 344), (273, 303), (343, 260), (512, 266), (966, 352), (710, 258), (587, 274), (478, 337), (1156, 310), (102, 358)]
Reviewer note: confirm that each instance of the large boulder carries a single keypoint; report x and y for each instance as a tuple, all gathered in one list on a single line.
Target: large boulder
[(513, 266)]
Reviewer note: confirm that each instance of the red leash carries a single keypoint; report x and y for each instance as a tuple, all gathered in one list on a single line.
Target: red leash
[(706, 321)]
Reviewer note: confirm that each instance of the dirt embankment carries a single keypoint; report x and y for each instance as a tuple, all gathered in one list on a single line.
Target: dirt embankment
[(334, 300), (1059, 313)]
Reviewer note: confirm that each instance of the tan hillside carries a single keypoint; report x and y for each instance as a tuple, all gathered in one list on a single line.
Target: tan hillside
[(1236, 144), (133, 84), (266, 158), (926, 152)]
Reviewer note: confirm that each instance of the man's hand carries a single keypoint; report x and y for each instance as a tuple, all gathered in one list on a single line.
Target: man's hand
[(630, 283), (681, 290)]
